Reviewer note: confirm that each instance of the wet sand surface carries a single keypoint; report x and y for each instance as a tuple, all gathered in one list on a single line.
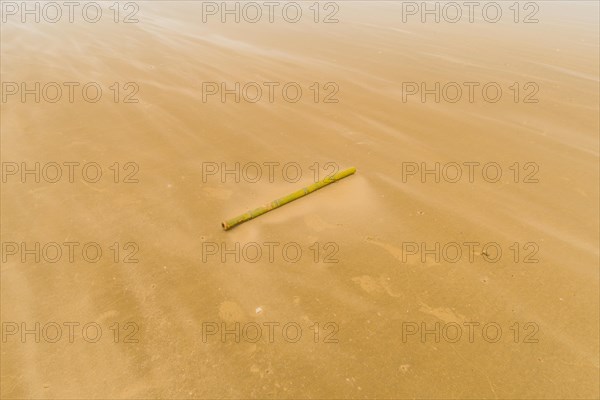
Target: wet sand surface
[(357, 316)]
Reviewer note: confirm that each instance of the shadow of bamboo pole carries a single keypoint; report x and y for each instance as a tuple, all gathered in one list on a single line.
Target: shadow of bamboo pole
[(230, 223)]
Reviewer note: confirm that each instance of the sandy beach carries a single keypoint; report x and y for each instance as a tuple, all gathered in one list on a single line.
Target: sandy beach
[(460, 261)]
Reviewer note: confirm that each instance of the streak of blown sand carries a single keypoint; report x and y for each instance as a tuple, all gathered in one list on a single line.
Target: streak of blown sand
[(371, 291)]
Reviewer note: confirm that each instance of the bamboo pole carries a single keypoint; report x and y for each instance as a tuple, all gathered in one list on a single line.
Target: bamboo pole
[(230, 223)]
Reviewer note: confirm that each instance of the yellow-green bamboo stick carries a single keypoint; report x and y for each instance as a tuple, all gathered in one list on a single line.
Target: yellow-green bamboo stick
[(230, 223)]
